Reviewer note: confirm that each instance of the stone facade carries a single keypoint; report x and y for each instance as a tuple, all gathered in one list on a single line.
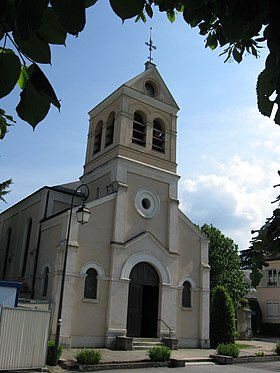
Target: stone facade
[(139, 264)]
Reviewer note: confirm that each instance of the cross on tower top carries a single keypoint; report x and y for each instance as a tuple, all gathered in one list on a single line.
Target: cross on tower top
[(151, 46)]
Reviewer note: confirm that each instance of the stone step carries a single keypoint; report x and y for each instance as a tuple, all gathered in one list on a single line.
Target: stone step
[(138, 339), (145, 343), (199, 361)]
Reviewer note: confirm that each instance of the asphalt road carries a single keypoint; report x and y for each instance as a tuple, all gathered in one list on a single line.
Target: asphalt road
[(273, 366)]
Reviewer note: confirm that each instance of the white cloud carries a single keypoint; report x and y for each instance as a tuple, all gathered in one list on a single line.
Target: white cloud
[(235, 194)]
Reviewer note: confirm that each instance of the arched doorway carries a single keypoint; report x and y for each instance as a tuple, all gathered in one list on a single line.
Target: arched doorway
[(142, 312)]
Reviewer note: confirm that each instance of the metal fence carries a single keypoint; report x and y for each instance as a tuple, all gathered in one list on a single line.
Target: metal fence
[(23, 338)]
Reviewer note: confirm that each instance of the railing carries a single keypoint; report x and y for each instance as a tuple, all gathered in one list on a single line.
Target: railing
[(170, 330)]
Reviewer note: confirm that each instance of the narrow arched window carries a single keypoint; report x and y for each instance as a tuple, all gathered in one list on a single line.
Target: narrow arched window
[(110, 130), (7, 251), (45, 281), (186, 295), (26, 241), (158, 136), (139, 130), (97, 195), (97, 138), (90, 290)]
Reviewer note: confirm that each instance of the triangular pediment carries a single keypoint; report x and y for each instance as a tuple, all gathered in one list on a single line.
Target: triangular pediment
[(147, 239), (151, 78)]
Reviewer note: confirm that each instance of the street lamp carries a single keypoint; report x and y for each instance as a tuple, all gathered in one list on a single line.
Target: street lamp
[(83, 215)]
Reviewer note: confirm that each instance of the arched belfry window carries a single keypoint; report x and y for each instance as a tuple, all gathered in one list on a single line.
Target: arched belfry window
[(90, 289), (139, 130), (45, 281), (26, 242), (110, 130), (186, 295), (158, 136), (97, 138)]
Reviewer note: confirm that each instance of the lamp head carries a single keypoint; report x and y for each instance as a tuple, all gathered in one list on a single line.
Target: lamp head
[(83, 214)]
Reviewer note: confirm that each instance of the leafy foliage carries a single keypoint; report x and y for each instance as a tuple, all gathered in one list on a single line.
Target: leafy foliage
[(230, 349), (225, 264), (277, 348), (30, 27), (222, 318), (88, 356), (50, 351), (4, 189), (159, 353), (264, 246), (239, 26)]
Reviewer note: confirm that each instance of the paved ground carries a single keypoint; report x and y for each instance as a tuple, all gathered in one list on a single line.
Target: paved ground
[(264, 345)]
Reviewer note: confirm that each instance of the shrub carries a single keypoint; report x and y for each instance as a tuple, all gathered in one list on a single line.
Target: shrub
[(88, 356), (51, 351), (260, 353), (222, 318), (277, 348), (159, 353), (230, 349)]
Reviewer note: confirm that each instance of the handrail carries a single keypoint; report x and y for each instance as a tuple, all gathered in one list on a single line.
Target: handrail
[(170, 330)]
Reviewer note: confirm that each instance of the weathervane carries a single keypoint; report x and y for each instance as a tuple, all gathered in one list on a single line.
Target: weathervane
[(151, 46)]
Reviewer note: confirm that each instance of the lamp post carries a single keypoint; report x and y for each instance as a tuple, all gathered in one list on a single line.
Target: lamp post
[(83, 214)]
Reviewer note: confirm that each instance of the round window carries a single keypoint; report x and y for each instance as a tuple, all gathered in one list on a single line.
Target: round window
[(147, 203), (151, 88)]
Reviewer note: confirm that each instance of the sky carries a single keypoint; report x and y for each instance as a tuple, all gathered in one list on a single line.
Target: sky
[(227, 153)]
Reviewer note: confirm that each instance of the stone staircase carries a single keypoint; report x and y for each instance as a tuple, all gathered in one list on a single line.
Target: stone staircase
[(146, 343)]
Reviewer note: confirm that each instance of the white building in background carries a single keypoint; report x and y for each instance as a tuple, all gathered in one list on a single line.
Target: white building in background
[(139, 260)]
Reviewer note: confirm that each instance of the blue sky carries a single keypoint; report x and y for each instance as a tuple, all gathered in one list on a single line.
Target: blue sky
[(227, 153)]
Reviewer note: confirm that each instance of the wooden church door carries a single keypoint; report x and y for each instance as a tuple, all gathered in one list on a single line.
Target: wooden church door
[(142, 313)]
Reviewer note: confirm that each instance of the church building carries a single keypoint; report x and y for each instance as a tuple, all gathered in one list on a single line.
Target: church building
[(139, 267)]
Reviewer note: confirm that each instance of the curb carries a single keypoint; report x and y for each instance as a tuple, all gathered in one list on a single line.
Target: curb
[(228, 360), (73, 365)]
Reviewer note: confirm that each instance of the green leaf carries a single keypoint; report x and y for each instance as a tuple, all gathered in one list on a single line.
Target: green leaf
[(71, 14), (149, 10), (171, 16), (40, 82), (89, 3), (211, 41), (4, 124), (36, 49), (237, 55), (29, 14), (126, 8), (265, 89), (51, 30), (277, 116), (33, 107), (9, 72), (24, 77)]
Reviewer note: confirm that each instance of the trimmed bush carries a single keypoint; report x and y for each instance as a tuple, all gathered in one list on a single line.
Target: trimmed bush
[(88, 357), (222, 318), (277, 348), (50, 351), (159, 353), (230, 349)]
